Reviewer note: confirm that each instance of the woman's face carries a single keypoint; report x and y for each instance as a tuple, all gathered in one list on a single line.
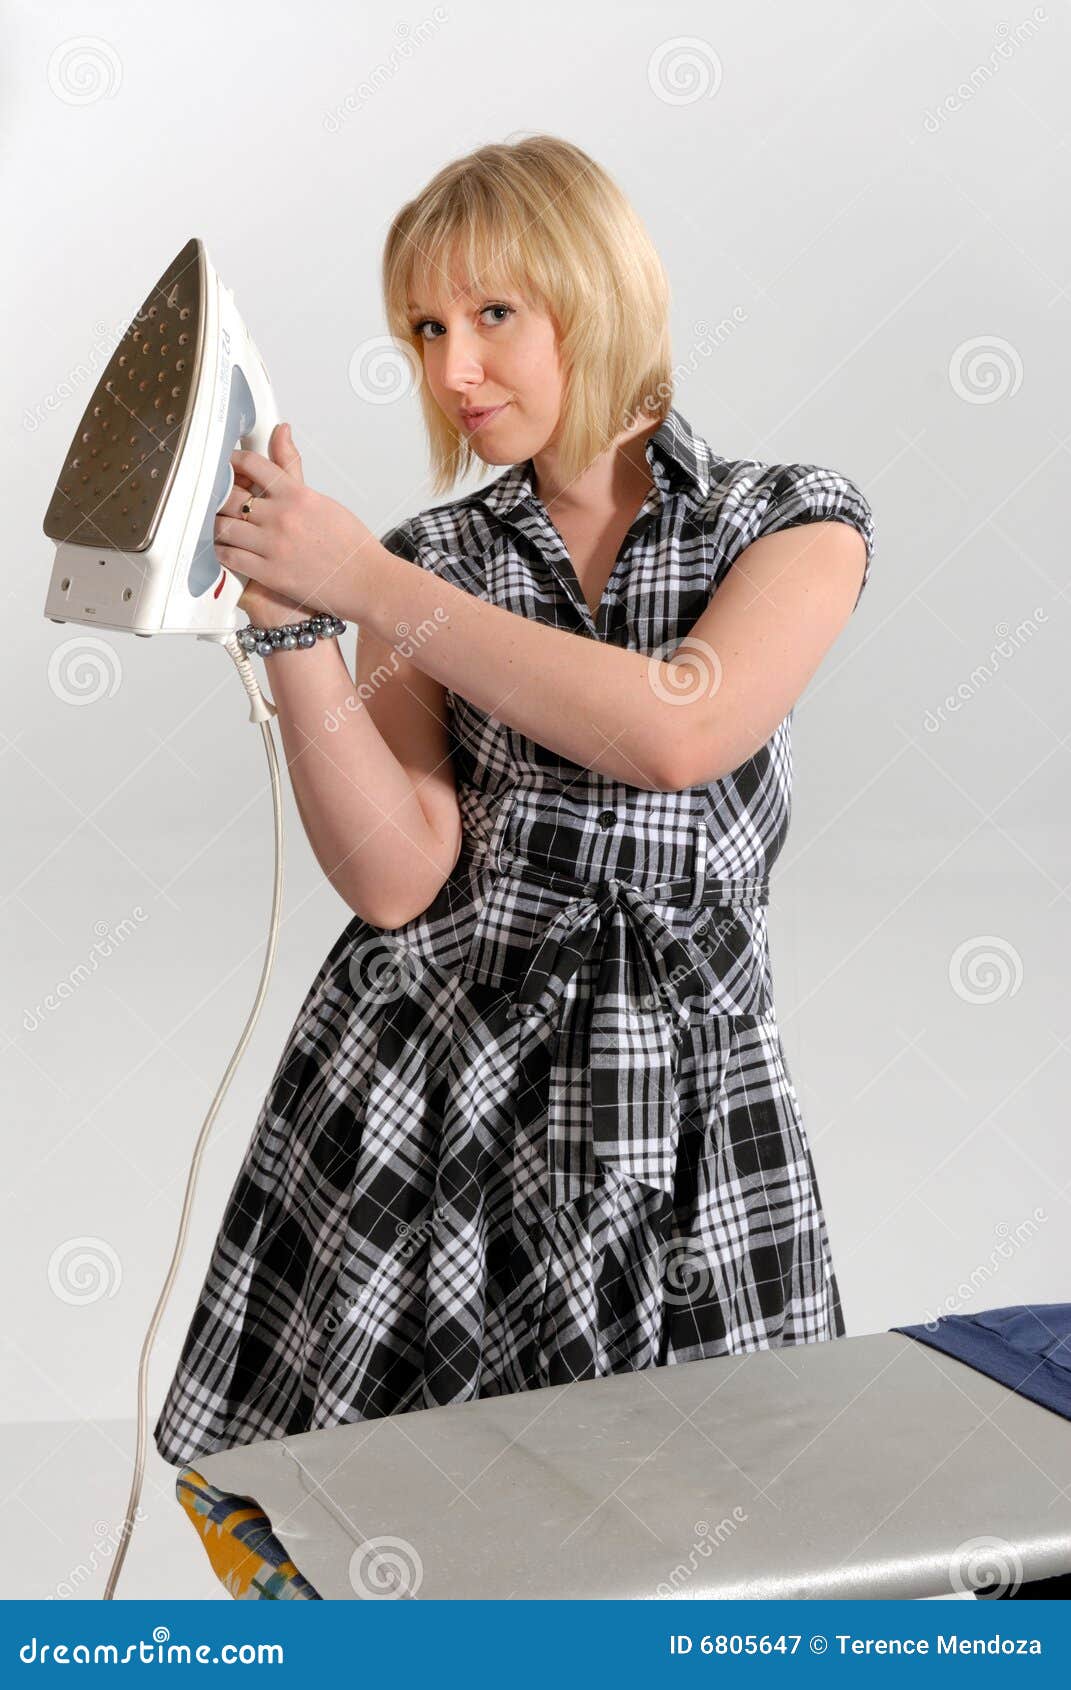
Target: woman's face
[(489, 350)]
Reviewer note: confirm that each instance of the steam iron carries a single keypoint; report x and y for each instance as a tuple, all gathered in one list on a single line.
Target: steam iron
[(132, 514)]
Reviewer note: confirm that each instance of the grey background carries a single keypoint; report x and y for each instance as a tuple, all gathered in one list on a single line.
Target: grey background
[(863, 217)]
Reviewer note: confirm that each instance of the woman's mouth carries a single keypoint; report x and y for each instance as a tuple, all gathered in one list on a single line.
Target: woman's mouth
[(477, 419)]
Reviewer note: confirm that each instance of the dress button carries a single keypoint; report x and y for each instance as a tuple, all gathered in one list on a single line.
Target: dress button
[(606, 818)]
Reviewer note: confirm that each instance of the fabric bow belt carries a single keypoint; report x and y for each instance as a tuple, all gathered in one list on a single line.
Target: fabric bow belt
[(613, 1094)]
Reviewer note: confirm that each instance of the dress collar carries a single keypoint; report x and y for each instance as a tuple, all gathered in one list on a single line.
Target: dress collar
[(678, 457)]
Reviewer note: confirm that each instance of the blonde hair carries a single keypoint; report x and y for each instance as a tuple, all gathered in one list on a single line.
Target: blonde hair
[(542, 218)]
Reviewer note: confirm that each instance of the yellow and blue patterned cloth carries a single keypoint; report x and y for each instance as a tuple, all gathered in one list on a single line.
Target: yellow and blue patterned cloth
[(246, 1556)]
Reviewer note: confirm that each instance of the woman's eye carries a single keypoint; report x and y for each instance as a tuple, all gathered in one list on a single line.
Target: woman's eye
[(430, 322)]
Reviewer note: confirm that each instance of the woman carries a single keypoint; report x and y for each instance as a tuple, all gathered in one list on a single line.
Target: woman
[(533, 1122)]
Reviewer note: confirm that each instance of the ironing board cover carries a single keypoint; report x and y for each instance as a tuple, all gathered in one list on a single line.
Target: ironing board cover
[(246, 1556), (1026, 1346)]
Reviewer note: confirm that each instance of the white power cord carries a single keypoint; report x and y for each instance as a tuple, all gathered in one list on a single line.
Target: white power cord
[(262, 710)]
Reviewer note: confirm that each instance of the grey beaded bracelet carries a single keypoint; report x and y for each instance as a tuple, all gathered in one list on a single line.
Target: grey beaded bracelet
[(265, 641)]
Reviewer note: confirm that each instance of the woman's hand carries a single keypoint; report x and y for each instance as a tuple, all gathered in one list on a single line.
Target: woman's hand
[(264, 608), (293, 542)]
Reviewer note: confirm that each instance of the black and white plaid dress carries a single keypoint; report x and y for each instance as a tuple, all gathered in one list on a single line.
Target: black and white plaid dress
[(545, 1131)]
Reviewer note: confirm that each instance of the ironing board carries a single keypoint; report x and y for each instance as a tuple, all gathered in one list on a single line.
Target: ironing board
[(861, 1467)]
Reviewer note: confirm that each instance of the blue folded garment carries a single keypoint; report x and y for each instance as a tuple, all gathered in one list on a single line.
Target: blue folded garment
[(1026, 1346)]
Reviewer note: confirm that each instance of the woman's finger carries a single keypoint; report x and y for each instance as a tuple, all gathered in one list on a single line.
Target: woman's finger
[(234, 530), (240, 561), (236, 498), (274, 480), (285, 453)]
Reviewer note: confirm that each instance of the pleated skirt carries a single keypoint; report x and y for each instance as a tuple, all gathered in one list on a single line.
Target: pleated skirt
[(388, 1243)]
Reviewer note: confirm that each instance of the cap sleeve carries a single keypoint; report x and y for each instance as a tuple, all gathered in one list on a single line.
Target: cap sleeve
[(400, 541), (801, 493), (409, 539)]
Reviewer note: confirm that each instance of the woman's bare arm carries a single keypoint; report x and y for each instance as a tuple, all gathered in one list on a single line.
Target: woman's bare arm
[(659, 724), (360, 807)]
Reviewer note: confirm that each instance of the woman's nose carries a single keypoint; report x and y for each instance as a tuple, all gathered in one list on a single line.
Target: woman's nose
[(461, 367)]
